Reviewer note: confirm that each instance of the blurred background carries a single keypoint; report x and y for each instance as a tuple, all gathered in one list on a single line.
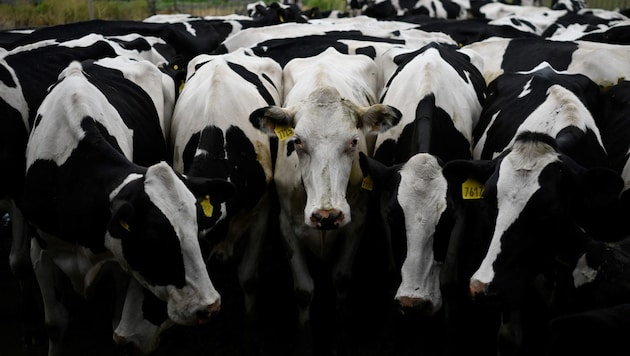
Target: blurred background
[(16, 14)]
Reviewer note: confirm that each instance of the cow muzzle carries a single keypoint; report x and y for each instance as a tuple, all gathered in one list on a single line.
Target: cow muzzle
[(204, 315), (327, 219), (417, 306), (477, 288)]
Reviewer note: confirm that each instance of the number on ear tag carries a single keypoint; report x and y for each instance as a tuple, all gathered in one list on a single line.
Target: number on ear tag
[(206, 206), (472, 189), (367, 183), (283, 132)]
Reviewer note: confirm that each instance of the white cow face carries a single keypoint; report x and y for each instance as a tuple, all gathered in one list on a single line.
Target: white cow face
[(328, 133)]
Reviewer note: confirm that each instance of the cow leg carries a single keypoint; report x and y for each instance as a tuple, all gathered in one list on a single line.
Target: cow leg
[(22, 269), (248, 268), (303, 287), (55, 313)]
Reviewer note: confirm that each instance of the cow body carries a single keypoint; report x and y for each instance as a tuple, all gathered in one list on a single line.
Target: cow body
[(91, 204), (329, 104), (213, 138)]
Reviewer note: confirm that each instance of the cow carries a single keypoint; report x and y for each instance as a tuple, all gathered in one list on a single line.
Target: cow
[(93, 195), (410, 193), (213, 138), (431, 123), (530, 190), (329, 105), (603, 63), (25, 79), (552, 114)]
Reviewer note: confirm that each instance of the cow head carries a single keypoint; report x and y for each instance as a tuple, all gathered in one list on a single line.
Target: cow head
[(153, 234), (535, 195), (328, 132), (417, 206)]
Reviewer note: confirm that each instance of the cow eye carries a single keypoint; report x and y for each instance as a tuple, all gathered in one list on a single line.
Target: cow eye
[(353, 143), (297, 142)]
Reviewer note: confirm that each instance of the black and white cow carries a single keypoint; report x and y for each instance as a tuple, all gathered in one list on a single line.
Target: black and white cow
[(440, 126), (97, 190), (213, 138), (537, 197), (328, 108), (603, 63), (440, 94), (23, 85)]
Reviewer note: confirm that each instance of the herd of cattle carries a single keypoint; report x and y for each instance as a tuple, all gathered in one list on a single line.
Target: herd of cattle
[(486, 145)]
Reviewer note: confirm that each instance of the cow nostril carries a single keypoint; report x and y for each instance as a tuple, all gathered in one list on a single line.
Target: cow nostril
[(205, 314), (327, 219), (409, 305), (477, 288)]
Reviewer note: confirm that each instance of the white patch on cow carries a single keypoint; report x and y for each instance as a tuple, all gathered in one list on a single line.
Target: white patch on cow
[(478, 149), (177, 203), (583, 273), (422, 197), (526, 89), (492, 51), (625, 174), (133, 327), (518, 181), (604, 63), (63, 110)]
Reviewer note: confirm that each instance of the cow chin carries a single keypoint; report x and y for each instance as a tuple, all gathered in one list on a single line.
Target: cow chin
[(186, 307)]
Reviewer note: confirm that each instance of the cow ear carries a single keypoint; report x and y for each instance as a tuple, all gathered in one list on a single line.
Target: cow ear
[(271, 118), (458, 171), (121, 218), (218, 189), (378, 118), (380, 173)]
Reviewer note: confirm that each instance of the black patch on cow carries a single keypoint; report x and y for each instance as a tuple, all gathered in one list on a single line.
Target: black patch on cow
[(557, 53), (154, 310), (150, 245), (13, 138), (253, 78), (369, 51), (137, 44), (137, 111), (36, 75), (282, 50), (72, 201), (6, 78)]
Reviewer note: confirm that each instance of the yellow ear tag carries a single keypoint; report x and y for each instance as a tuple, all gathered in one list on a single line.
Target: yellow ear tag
[(175, 66), (472, 189), (181, 86), (367, 183), (206, 206), (281, 18), (283, 132), (124, 225)]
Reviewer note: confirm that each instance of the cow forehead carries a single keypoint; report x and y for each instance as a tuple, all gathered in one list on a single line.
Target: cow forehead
[(325, 114)]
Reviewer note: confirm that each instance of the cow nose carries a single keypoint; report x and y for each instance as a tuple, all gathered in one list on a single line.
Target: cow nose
[(477, 288), (205, 314), (413, 305), (126, 347), (327, 219)]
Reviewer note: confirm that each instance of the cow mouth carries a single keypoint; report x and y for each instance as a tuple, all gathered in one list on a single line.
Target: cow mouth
[(327, 221)]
